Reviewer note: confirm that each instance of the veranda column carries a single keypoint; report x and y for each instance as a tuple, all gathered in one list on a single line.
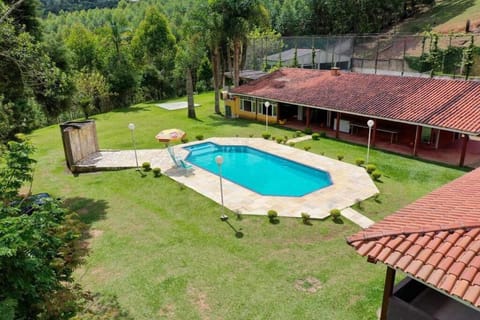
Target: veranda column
[(387, 292), (464, 150)]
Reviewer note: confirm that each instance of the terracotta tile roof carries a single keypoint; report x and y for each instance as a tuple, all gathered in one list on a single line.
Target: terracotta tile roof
[(435, 239), (448, 104)]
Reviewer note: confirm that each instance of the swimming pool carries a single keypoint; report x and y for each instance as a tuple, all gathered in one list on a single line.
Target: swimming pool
[(261, 172)]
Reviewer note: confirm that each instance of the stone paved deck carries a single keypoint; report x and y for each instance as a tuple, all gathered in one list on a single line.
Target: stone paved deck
[(350, 183)]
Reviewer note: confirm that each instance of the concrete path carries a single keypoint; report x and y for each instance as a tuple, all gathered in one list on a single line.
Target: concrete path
[(357, 218), (299, 139)]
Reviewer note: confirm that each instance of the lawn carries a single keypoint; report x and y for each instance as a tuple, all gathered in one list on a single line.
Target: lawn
[(163, 251)]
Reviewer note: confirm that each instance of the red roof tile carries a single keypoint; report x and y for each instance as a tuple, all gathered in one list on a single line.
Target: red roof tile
[(435, 239), (451, 104), (472, 294)]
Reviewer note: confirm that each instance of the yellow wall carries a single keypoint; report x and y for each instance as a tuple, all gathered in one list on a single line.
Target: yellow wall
[(236, 112)]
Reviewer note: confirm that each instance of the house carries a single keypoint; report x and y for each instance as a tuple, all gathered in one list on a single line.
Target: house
[(407, 111), (435, 241)]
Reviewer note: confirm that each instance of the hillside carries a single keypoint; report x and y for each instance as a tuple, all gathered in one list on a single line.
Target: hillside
[(445, 17)]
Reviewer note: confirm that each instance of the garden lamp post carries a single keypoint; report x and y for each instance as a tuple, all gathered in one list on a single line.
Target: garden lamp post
[(131, 126), (267, 105), (219, 161), (370, 124)]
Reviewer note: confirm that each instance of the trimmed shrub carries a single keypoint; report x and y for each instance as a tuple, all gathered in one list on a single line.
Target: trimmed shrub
[(305, 218), (266, 135), (291, 144), (279, 140), (184, 140), (340, 157), (297, 134), (335, 213), (199, 137), (376, 175), (251, 135), (306, 148), (322, 153), (308, 131), (370, 168), (272, 214), (146, 166), (315, 136), (359, 162), (157, 172), (323, 134)]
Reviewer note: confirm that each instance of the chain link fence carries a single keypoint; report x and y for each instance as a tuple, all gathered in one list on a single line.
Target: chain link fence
[(456, 56)]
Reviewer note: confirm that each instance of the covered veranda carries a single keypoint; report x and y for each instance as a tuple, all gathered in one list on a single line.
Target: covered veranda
[(448, 153)]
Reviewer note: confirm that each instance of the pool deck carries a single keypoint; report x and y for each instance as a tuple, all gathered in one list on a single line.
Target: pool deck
[(350, 183)]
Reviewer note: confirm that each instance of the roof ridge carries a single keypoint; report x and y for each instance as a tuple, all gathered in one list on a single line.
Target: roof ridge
[(409, 231)]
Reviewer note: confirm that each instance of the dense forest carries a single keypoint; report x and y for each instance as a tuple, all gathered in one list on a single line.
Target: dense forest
[(59, 65), (55, 6)]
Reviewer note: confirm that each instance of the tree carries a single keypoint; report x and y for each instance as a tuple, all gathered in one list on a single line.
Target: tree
[(83, 44), (153, 45), (189, 57), (239, 17), (92, 92), (204, 20)]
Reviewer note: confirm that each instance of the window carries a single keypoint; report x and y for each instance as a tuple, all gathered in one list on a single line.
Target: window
[(272, 110), (247, 105)]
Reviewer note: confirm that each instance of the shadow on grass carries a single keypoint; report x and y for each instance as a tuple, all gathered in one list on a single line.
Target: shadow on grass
[(338, 221), (89, 210), (218, 121), (274, 220), (238, 232), (134, 109)]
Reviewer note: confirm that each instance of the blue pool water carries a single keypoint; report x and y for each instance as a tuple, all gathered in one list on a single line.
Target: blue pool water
[(259, 171)]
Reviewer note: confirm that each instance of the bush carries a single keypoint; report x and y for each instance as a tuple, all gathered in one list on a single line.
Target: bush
[(266, 135), (291, 144), (306, 148), (335, 213), (272, 214), (305, 218), (323, 134), (297, 134), (340, 157), (370, 168), (157, 172), (146, 166), (279, 140), (184, 140), (359, 162), (199, 137), (316, 136), (251, 135), (308, 131), (376, 175)]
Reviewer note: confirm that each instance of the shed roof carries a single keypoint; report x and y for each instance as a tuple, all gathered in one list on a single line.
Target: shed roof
[(440, 103), (436, 239)]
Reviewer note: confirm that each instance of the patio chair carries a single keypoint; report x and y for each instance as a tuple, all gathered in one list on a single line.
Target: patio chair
[(174, 158), (186, 166)]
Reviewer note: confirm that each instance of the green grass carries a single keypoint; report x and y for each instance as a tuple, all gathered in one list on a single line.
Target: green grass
[(445, 16), (163, 251)]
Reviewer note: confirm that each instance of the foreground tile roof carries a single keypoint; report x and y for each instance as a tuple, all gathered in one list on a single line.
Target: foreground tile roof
[(448, 104), (436, 239)]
